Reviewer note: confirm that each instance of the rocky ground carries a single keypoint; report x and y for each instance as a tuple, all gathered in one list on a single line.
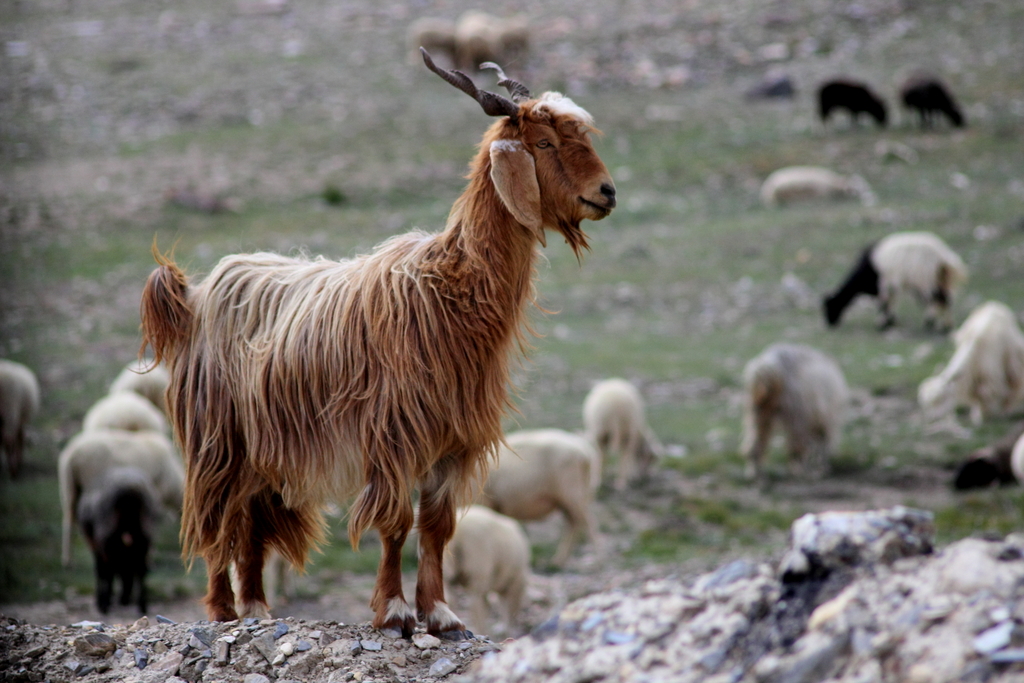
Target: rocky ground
[(858, 597)]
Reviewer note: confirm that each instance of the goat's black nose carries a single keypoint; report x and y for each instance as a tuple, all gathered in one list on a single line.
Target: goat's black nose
[(608, 190)]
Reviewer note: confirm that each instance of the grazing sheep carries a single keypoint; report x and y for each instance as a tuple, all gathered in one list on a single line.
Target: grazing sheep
[(542, 470), (918, 262), (482, 37), (125, 410), (1017, 460), (19, 402), (855, 97), (295, 381), (986, 372), (805, 390), (613, 419), (488, 553), (801, 183), (930, 97), (990, 463), (436, 36), (145, 379), (88, 457), (117, 517)]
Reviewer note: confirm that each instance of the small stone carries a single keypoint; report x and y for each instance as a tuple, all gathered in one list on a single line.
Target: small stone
[(280, 629), (170, 662), (442, 667), (303, 645), (279, 659), (85, 670), (250, 621), (94, 645), (315, 635), (223, 652), (1008, 656), (204, 636), (287, 649), (425, 641), (357, 675), (35, 651), (73, 666), (255, 678), (97, 625), (140, 623), (159, 647), (995, 638), (618, 638), (399, 660), (141, 658), (265, 645), (161, 619), (371, 645), (355, 647), (230, 640)]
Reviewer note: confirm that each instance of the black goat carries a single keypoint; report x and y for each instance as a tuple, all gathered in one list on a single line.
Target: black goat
[(930, 97), (855, 97), (989, 464), (862, 279), (117, 519)]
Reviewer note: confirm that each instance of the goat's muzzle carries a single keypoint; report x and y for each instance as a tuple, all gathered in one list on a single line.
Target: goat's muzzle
[(602, 204)]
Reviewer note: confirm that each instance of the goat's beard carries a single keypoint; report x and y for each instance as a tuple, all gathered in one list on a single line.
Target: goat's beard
[(574, 236)]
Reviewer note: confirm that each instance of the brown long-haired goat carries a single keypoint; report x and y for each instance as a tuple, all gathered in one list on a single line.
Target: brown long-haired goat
[(295, 381)]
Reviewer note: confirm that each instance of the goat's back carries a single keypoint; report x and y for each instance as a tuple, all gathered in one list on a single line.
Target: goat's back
[(917, 260)]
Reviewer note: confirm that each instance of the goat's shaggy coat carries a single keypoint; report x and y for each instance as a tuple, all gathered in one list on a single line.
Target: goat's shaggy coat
[(295, 380), (985, 373), (918, 262), (804, 390), (19, 402)]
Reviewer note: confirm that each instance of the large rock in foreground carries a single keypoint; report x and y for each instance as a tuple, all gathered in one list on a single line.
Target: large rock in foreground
[(858, 598)]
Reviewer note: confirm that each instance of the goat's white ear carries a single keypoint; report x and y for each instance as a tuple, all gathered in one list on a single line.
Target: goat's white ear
[(514, 175)]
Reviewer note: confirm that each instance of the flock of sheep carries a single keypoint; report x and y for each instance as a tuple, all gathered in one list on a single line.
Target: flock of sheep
[(119, 475)]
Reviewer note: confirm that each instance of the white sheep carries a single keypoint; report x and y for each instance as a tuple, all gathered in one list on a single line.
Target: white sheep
[(127, 411), (801, 183), (805, 390), (918, 262), (985, 373), (543, 470), (482, 37), (614, 420), (144, 379), (489, 553), (88, 456), (19, 402)]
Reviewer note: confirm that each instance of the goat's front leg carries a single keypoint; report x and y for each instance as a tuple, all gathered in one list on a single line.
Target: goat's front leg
[(391, 611), (436, 526)]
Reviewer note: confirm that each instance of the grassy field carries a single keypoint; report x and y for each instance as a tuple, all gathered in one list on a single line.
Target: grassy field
[(109, 105)]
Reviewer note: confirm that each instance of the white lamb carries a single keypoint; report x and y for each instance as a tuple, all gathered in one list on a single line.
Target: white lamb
[(152, 384), (88, 456), (613, 419), (801, 183), (805, 390), (986, 372), (543, 470), (19, 402), (127, 411), (489, 553)]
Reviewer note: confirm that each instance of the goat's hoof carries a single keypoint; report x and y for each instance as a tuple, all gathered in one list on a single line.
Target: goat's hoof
[(398, 627), (455, 635)]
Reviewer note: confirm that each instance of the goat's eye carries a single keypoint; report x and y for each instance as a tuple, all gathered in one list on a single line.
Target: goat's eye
[(543, 144)]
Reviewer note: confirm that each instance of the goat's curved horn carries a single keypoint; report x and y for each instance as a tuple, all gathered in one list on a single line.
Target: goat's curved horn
[(493, 105), (517, 90)]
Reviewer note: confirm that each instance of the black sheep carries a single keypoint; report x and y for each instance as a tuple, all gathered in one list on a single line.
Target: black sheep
[(930, 97), (117, 519), (989, 463), (855, 97), (862, 279)]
